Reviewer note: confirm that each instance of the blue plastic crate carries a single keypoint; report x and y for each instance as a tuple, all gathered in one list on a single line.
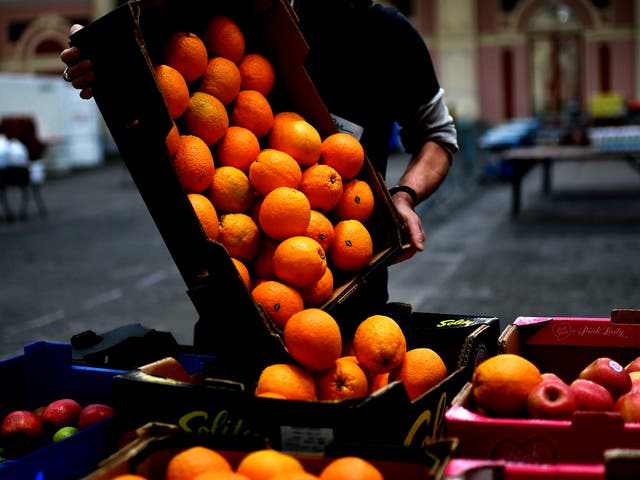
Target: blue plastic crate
[(44, 373)]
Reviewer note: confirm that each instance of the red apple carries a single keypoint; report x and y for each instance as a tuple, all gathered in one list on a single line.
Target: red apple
[(94, 413), (61, 413), (635, 380), (21, 428), (551, 399), (550, 376), (633, 365), (592, 396), (608, 373), (629, 406)]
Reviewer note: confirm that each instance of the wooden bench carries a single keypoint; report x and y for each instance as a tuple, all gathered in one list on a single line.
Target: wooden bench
[(523, 159)]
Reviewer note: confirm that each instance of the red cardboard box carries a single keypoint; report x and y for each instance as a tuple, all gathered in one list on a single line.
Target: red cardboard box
[(472, 469), (227, 410), (155, 443), (617, 464), (134, 110), (563, 346)]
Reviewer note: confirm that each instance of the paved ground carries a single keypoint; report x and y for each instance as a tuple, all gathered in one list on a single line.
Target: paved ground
[(98, 262)]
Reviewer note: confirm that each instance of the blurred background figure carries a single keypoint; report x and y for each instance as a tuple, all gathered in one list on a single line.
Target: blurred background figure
[(21, 165)]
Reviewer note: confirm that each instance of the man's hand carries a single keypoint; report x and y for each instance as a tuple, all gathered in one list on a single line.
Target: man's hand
[(412, 222), (79, 71)]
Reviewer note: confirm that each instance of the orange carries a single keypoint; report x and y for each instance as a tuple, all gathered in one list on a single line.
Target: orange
[(378, 381), (350, 468), (193, 164), (272, 169), (243, 271), (379, 344), (172, 139), (263, 263), (357, 201), (174, 89), (221, 476), (299, 261), (312, 337), (230, 190), (298, 138), (294, 476), (291, 381), (193, 461), (318, 292), (264, 464), (344, 153), (239, 235), (275, 395), (286, 116), (257, 73), (278, 300), (344, 379), (421, 370), (500, 384), (352, 247), (221, 79), (322, 185), (224, 38), (238, 148), (284, 212), (253, 111), (206, 117), (320, 229), (128, 476), (206, 213), (186, 52)]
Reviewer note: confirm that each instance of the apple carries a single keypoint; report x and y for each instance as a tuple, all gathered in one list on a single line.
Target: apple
[(61, 413), (551, 399), (21, 429), (94, 413), (592, 396), (608, 373), (635, 380), (629, 406), (550, 376), (633, 365)]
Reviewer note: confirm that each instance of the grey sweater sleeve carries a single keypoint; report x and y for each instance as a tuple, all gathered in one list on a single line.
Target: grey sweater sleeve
[(434, 123)]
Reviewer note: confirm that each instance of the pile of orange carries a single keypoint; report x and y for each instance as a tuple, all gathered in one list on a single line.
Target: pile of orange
[(287, 204), (204, 463), (326, 369)]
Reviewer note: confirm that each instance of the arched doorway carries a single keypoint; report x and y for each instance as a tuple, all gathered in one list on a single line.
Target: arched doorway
[(556, 43)]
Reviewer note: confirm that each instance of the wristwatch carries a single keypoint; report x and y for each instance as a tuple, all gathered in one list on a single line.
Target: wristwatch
[(408, 190)]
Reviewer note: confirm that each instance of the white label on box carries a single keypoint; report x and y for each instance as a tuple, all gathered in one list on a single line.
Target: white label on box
[(305, 439), (345, 126)]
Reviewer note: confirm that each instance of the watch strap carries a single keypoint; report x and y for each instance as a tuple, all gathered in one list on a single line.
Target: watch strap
[(406, 189)]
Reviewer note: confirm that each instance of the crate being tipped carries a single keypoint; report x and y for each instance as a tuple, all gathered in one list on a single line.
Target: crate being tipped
[(160, 131)]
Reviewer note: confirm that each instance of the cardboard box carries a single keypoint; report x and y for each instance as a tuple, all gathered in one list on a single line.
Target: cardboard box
[(472, 469), (156, 443), (616, 464), (135, 113), (563, 346), (226, 409), (45, 373)]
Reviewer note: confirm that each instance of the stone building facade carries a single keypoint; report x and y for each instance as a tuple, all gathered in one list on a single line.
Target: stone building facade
[(496, 59)]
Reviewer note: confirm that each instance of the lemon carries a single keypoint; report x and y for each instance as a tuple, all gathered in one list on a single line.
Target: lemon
[(64, 432)]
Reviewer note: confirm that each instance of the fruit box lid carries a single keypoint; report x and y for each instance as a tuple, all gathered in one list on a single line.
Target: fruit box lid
[(583, 439), (565, 345), (155, 443), (135, 113)]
